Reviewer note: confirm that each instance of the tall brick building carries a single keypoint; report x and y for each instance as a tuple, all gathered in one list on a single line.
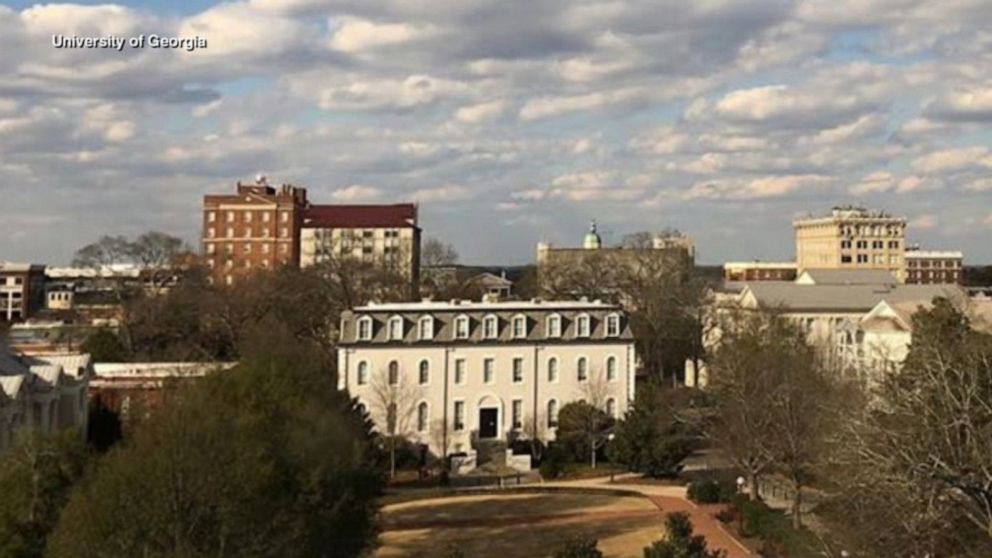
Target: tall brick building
[(930, 267), (256, 228), (22, 290)]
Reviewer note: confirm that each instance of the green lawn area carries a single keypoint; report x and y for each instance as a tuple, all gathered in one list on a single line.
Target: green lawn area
[(519, 524)]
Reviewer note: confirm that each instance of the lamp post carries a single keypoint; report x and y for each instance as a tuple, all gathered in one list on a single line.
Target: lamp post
[(609, 438), (740, 485)]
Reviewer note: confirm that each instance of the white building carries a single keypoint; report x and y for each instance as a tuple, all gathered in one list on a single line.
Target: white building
[(471, 371), (47, 393)]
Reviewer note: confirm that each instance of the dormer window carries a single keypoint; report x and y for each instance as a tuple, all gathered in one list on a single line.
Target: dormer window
[(613, 325), (554, 325), (365, 328), (396, 328), (425, 328), (461, 327), (582, 325), (519, 327), (490, 327)]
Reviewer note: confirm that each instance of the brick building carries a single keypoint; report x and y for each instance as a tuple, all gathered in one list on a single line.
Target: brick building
[(385, 234), (22, 290), (759, 271), (255, 228), (930, 267)]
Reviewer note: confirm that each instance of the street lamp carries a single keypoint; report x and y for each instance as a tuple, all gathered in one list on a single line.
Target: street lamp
[(740, 485), (610, 438)]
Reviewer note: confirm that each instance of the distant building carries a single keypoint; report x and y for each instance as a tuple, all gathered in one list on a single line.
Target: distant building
[(46, 393), (846, 277), (676, 252), (383, 234), (22, 291), (851, 238), (930, 267), (484, 372), (139, 386), (257, 227), (759, 271)]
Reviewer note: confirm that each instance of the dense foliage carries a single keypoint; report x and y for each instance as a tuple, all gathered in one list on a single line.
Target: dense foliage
[(652, 438), (579, 546), (679, 542), (582, 429), (267, 459)]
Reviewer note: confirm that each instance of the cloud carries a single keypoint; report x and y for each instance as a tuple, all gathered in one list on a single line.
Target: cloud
[(954, 159), (356, 192), (548, 107), (355, 35), (926, 221), (481, 112), (448, 193), (963, 105), (766, 187)]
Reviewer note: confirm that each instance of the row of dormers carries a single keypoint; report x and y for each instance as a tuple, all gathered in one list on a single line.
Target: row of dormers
[(475, 326)]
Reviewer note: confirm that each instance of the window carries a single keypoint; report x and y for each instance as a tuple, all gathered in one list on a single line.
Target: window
[(488, 370), (284, 232), (284, 216), (845, 259), (211, 216), (582, 325), (490, 327), (211, 232), (611, 368), (518, 414), (611, 407), (424, 375), (460, 371), (461, 327), (229, 279), (363, 373), (265, 248), (230, 216), (394, 373), (230, 232), (266, 217), (211, 248), (613, 325), (518, 370), (845, 244), (364, 328), (552, 369), (425, 328), (459, 416), (422, 417), (862, 258), (247, 248), (582, 369), (247, 216), (552, 414), (519, 327), (554, 325), (395, 328)]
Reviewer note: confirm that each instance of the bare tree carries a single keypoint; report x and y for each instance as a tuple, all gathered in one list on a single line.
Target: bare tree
[(157, 255), (534, 430), (435, 253), (596, 392), (393, 405)]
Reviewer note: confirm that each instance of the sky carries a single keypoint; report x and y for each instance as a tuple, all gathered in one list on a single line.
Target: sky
[(509, 121)]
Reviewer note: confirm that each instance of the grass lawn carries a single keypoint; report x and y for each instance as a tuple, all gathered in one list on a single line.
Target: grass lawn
[(519, 525)]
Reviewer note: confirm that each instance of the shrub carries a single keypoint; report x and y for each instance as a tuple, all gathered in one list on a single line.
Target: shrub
[(579, 546), (554, 462), (711, 491), (652, 439), (679, 542)]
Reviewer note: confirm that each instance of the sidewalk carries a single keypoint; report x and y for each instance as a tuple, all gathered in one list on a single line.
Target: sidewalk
[(670, 499)]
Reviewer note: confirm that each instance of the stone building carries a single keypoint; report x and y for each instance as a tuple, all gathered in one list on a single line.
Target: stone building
[(851, 238), (454, 375)]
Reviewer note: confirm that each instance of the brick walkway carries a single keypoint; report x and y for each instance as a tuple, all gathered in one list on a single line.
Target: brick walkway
[(673, 499)]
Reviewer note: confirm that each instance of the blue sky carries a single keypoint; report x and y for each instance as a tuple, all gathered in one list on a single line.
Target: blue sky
[(510, 122)]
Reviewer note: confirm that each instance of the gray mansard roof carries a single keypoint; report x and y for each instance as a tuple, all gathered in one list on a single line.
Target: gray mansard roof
[(444, 315), (790, 296)]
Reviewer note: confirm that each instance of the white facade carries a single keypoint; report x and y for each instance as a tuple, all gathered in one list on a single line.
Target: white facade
[(509, 374)]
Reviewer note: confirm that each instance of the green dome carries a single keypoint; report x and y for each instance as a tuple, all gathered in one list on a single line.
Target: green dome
[(592, 240)]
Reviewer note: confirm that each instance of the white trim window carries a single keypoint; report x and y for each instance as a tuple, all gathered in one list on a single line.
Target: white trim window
[(425, 328), (553, 370), (553, 325), (517, 414), (519, 326), (365, 328), (362, 376), (488, 370), (393, 373), (461, 327), (490, 327), (582, 325), (423, 416), (396, 328), (459, 416), (424, 372), (613, 325), (459, 371), (611, 407), (552, 413), (518, 370), (582, 369), (611, 368)]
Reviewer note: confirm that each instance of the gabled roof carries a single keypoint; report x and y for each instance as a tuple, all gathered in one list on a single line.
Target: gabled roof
[(46, 375), (11, 385), (399, 215), (841, 298), (846, 277), (75, 365)]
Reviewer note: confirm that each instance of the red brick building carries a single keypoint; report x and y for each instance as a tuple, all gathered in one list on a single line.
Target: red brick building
[(929, 267), (256, 228), (759, 271), (22, 291)]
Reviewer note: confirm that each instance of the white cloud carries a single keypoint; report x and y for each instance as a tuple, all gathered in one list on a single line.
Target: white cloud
[(979, 185), (356, 192), (448, 193), (355, 35), (548, 107), (766, 187), (481, 112), (925, 221), (954, 159), (973, 104)]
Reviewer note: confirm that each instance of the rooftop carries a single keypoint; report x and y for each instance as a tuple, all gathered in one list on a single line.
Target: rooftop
[(846, 277), (361, 216), (840, 298), (925, 254), (495, 306)]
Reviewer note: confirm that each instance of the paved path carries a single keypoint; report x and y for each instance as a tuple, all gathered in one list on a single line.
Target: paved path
[(671, 499)]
